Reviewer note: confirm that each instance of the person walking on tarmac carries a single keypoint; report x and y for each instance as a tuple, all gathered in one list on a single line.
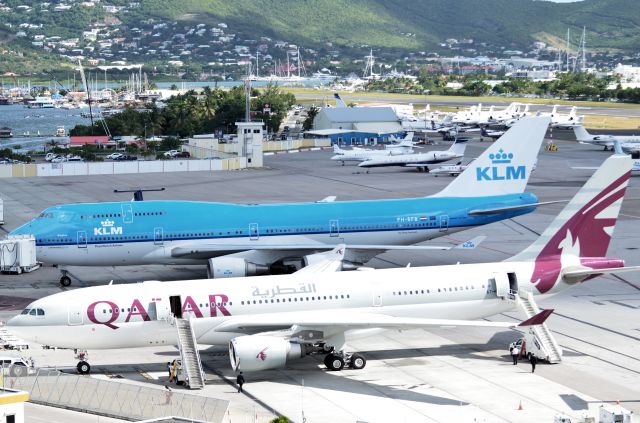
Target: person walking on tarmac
[(240, 382), (514, 354), (533, 360)]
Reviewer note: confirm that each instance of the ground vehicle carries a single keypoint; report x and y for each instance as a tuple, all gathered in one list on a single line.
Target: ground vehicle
[(14, 365), (74, 159), (125, 157), (531, 345), (171, 153), (50, 156), (114, 156), (183, 155), (58, 159)]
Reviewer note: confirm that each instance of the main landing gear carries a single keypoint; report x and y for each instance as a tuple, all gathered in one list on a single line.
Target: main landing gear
[(336, 361), (65, 279), (83, 365)]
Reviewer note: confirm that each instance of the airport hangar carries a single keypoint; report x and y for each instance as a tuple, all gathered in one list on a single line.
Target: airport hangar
[(356, 125)]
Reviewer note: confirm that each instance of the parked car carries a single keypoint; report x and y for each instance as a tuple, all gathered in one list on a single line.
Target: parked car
[(58, 159), (114, 156), (183, 155), (171, 153), (75, 159), (125, 157)]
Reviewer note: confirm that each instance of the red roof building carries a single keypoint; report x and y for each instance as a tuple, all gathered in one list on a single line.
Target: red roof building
[(99, 140)]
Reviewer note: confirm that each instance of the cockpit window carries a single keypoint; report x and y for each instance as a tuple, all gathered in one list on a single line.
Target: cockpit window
[(46, 215), (40, 312), (32, 312), (26, 311)]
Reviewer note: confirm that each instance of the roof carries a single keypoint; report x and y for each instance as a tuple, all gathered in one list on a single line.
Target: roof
[(360, 114), (96, 139), (328, 132)]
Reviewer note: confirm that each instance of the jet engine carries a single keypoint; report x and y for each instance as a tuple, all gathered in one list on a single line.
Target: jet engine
[(260, 352), (234, 267)]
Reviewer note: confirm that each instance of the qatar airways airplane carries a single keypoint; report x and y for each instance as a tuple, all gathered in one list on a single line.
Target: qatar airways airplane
[(251, 239), (269, 320)]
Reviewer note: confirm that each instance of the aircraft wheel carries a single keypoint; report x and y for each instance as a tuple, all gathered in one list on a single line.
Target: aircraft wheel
[(357, 362), (83, 368), (65, 281), (334, 362)]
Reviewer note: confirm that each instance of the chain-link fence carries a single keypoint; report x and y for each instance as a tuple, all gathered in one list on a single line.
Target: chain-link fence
[(114, 399)]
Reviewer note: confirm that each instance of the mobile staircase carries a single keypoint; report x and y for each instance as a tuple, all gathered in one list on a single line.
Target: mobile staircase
[(188, 345), (527, 304)]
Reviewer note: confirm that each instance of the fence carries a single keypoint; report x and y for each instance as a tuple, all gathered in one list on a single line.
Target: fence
[(112, 168), (115, 399)]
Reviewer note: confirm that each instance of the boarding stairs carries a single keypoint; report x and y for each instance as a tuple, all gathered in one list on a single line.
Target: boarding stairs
[(188, 345), (527, 304)]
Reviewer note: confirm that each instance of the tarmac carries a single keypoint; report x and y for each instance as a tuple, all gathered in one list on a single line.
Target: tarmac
[(436, 375)]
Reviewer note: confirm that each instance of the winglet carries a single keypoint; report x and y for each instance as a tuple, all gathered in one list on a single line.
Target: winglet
[(538, 319)]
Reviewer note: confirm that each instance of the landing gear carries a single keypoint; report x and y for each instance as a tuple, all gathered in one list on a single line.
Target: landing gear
[(83, 366), (334, 362), (65, 280), (337, 361), (357, 362)]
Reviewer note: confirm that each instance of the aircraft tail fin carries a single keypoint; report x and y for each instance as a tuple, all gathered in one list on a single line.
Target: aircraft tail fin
[(458, 147), (582, 230), (505, 166), (339, 101), (581, 133)]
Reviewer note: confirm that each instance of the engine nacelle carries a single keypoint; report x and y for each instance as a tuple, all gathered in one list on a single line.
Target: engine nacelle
[(259, 352), (234, 267)]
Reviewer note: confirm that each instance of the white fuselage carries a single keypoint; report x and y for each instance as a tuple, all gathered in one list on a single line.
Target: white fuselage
[(411, 159), (138, 315)]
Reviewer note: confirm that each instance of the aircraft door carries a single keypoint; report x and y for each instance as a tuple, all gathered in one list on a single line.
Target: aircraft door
[(377, 299), (82, 239), (175, 303), (158, 236), (444, 223), (152, 311), (502, 284), (127, 213), (334, 228), (254, 231), (74, 316)]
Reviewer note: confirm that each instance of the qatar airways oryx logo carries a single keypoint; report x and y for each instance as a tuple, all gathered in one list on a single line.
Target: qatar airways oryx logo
[(262, 355), (502, 170), (107, 228)]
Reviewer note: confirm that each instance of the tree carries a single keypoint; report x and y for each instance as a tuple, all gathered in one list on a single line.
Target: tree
[(311, 115)]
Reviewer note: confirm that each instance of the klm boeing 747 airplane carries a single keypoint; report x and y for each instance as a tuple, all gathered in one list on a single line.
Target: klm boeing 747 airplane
[(242, 240)]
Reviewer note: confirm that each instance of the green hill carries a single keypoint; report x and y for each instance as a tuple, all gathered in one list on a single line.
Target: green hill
[(385, 23)]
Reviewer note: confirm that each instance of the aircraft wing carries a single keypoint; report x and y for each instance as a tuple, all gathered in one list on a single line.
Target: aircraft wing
[(513, 208), (216, 250), (580, 274), (337, 320)]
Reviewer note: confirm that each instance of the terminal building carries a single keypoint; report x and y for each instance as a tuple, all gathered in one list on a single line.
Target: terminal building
[(356, 125)]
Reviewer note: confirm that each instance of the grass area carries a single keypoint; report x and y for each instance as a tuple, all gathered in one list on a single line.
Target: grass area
[(611, 122), (320, 95)]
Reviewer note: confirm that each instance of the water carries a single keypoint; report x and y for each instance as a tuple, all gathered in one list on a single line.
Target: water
[(27, 123)]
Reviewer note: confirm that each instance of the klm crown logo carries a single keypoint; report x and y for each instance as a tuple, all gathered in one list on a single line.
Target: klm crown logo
[(107, 223), (501, 157), (501, 169)]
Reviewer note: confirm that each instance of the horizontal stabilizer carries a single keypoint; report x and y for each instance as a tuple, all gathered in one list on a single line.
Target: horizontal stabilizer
[(538, 319), (513, 208), (578, 275)]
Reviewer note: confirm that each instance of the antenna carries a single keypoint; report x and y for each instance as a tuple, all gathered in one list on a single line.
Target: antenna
[(86, 87), (568, 45)]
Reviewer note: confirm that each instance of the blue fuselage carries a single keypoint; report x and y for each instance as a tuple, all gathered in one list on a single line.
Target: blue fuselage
[(96, 234)]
